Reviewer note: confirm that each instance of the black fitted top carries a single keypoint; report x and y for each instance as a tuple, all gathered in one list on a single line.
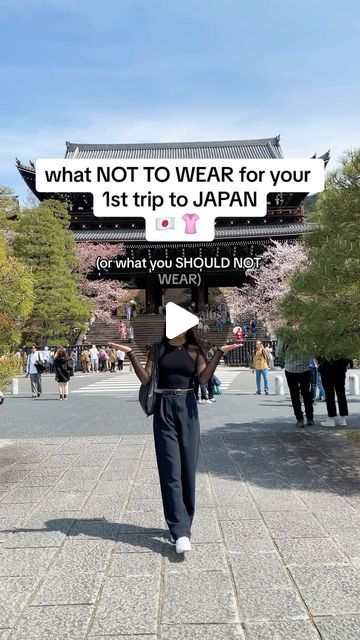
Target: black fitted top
[(176, 367)]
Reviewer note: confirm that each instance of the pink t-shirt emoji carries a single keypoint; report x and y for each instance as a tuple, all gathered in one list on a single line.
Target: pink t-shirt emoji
[(190, 220)]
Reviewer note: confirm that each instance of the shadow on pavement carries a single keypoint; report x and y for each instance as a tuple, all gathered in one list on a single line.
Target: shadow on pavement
[(276, 455), (127, 535)]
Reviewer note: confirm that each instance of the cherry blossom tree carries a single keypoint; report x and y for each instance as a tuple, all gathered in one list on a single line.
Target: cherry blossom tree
[(266, 287), (105, 293)]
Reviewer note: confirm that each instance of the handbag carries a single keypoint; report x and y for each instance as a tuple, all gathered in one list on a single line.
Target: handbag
[(147, 396), (39, 366), (217, 390)]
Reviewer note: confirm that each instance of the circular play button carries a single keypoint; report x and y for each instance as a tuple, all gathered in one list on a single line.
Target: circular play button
[(178, 320)]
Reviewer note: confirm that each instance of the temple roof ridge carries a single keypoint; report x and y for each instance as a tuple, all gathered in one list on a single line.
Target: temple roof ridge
[(256, 148), (155, 145)]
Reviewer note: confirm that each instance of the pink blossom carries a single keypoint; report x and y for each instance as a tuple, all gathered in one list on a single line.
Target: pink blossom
[(267, 285), (105, 293)]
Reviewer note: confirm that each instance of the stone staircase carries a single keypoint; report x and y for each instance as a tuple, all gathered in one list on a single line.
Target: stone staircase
[(148, 329)]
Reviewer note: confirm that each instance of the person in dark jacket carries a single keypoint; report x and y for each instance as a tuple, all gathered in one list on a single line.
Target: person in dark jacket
[(62, 366), (333, 375)]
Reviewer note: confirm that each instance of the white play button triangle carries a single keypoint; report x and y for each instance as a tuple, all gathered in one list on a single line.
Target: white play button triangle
[(178, 320)]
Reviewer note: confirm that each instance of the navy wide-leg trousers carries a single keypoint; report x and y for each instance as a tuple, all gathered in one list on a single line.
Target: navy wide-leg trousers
[(177, 436)]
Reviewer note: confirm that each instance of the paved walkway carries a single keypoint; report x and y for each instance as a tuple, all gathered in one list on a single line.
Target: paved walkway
[(119, 414), (276, 544), (123, 383)]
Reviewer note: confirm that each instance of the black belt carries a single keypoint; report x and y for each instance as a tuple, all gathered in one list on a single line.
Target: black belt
[(172, 392)]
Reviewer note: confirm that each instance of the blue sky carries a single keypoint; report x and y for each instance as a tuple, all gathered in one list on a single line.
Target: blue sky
[(171, 70)]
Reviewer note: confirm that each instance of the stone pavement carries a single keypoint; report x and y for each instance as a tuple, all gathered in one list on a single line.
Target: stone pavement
[(276, 544)]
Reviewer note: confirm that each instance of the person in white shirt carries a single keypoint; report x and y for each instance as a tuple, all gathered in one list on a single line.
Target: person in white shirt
[(120, 359), (94, 358), (47, 358), (35, 375)]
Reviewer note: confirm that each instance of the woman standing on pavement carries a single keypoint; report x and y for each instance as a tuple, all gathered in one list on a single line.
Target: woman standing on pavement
[(176, 423), (62, 366), (260, 366)]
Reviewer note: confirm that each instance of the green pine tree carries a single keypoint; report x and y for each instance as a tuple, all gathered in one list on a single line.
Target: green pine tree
[(310, 203), (9, 208), (16, 297), (43, 241), (323, 307)]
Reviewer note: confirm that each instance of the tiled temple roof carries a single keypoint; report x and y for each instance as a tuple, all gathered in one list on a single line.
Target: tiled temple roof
[(243, 149), (229, 232)]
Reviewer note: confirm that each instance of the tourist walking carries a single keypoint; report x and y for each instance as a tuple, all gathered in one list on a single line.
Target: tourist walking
[(112, 360), (103, 358), (253, 329), (94, 358), (297, 374), (316, 382), (23, 360), (210, 385), (34, 368), (176, 423), (47, 359), (63, 366), (85, 360), (203, 398), (270, 356), (122, 330), (120, 355), (108, 353), (219, 322), (130, 334), (260, 366), (73, 361), (333, 376)]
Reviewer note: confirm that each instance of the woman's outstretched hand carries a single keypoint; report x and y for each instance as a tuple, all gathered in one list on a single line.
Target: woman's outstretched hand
[(230, 347), (122, 347)]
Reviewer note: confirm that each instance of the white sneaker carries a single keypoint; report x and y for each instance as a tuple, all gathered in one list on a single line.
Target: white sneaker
[(201, 401), (183, 544), (342, 421), (329, 422), (207, 402)]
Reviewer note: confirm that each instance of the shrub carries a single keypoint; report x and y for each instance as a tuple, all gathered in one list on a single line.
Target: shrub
[(9, 367)]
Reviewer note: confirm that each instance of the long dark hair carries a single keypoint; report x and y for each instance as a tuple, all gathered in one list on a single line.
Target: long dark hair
[(191, 338), (61, 353)]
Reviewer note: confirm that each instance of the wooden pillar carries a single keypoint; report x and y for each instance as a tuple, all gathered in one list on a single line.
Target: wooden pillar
[(201, 293), (153, 293)]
